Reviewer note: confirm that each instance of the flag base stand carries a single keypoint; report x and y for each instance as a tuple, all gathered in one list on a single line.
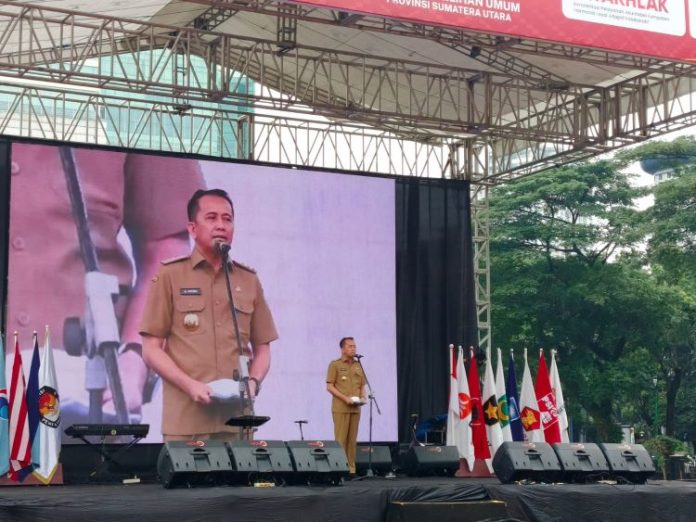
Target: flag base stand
[(31, 480), (480, 469)]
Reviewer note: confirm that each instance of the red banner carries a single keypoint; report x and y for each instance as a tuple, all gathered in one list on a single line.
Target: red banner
[(660, 28)]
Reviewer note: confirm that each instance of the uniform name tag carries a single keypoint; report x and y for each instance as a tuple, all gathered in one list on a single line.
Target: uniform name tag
[(190, 291)]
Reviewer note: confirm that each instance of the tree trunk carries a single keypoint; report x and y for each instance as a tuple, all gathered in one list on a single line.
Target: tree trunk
[(607, 430), (673, 384)]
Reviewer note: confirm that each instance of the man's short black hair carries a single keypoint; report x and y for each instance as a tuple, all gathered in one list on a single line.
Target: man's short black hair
[(343, 341), (192, 207)]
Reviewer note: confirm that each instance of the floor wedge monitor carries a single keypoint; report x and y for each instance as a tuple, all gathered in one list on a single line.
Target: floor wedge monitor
[(431, 460), (581, 462), (194, 463), (379, 459), (632, 462), (533, 461), (259, 460), (318, 461)]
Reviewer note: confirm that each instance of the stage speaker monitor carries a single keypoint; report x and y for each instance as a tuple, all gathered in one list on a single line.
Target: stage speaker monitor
[(317, 461), (264, 459), (431, 460), (629, 461), (194, 463), (381, 459), (535, 461), (581, 462)]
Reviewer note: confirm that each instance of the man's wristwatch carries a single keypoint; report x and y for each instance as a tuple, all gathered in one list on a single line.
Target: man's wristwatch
[(258, 384)]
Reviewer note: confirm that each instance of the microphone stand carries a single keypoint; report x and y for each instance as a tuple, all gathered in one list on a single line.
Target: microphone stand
[(373, 400), (101, 333), (247, 421), (299, 424)]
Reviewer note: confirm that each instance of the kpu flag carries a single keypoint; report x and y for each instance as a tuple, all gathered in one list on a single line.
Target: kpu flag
[(49, 411), (547, 403), (529, 409), (20, 444)]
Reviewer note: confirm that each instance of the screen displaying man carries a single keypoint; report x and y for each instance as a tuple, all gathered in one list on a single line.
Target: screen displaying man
[(324, 265), (346, 382), (188, 332)]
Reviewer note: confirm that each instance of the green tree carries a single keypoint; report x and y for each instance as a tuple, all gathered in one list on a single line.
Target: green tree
[(670, 232), (553, 237)]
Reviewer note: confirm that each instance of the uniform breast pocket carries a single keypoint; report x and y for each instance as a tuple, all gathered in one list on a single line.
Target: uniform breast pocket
[(244, 305), (190, 315)]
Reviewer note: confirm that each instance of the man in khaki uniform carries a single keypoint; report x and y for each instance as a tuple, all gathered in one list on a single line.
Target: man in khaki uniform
[(346, 382), (188, 332)]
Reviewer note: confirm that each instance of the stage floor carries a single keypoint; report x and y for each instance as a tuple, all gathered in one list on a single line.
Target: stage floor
[(355, 501)]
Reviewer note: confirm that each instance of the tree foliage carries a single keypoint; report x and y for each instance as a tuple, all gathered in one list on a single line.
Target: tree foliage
[(578, 267)]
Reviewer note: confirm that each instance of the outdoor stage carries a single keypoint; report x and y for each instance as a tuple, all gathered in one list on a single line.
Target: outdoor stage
[(380, 499)]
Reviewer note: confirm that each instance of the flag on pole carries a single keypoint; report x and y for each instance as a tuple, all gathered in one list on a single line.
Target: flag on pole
[(49, 410), (33, 409), (4, 416), (478, 426), (555, 379), (453, 409), (490, 410), (465, 443), (547, 402), (529, 409), (513, 401), (20, 444), (501, 395)]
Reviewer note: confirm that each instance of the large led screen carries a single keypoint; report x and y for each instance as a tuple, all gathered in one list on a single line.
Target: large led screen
[(322, 244)]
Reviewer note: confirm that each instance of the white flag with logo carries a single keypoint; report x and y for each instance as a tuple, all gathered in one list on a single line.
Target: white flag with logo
[(503, 409), (490, 411), (49, 416), (529, 408), (558, 394)]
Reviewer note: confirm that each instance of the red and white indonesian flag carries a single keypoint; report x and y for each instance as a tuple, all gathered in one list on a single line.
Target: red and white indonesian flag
[(503, 409), (20, 445), (558, 394), (49, 416), (529, 409), (490, 410), (547, 402), (463, 437)]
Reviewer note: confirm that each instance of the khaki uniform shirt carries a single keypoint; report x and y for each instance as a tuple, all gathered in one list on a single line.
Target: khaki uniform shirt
[(188, 306), (348, 378), (143, 193)]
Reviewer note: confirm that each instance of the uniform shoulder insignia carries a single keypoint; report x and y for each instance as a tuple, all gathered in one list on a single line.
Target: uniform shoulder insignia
[(245, 267), (174, 259)]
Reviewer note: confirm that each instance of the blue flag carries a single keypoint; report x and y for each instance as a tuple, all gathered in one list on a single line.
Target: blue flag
[(513, 402), (4, 417), (32, 395)]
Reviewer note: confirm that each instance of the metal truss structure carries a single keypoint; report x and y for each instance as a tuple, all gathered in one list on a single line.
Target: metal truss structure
[(503, 112)]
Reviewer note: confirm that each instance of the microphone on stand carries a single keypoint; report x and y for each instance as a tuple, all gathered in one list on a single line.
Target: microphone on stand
[(222, 248), (358, 357)]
